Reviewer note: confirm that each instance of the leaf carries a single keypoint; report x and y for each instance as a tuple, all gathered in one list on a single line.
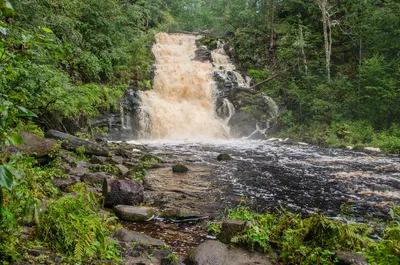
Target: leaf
[(47, 30), (25, 112), (6, 178), (3, 30), (16, 139)]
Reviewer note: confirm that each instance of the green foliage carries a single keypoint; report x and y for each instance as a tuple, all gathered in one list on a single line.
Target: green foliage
[(386, 250), (74, 227), (104, 168), (172, 259), (21, 204), (300, 240), (213, 228)]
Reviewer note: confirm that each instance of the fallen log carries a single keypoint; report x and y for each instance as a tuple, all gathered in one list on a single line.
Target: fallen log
[(71, 143), (122, 192), (265, 81)]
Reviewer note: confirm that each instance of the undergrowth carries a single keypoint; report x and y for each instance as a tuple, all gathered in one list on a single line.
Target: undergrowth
[(345, 133), (313, 240), (72, 225)]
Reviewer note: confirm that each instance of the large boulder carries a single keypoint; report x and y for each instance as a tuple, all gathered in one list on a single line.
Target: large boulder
[(214, 252), (35, 145), (122, 191), (133, 213)]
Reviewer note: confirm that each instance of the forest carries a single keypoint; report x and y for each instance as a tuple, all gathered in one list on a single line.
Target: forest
[(336, 62)]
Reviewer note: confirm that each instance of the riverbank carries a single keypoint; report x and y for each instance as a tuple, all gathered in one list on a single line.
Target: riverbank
[(263, 175)]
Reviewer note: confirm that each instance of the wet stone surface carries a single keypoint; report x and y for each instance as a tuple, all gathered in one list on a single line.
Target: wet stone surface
[(180, 237), (271, 174)]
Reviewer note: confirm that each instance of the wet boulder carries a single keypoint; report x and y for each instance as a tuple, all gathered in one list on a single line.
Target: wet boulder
[(230, 229), (202, 54), (122, 191), (179, 168), (133, 213), (224, 157), (214, 252)]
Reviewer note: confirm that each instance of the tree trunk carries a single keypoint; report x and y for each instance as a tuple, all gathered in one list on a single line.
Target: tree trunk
[(122, 191), (71, 142), (323, 5), (271, 48), (302, 48)]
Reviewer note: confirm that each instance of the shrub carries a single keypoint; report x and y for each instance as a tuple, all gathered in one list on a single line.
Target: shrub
[(73, 226)]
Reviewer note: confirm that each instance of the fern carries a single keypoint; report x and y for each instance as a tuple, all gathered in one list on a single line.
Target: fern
[(73, 226)]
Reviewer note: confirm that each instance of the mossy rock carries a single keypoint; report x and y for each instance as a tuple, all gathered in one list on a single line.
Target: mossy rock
[(150, 158), (179, 168), (224, 157)]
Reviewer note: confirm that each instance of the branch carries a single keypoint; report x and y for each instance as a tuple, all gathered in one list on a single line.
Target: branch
[(265, 81)]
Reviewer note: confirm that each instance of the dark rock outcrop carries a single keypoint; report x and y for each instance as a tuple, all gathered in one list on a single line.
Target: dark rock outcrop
[(202, 54)]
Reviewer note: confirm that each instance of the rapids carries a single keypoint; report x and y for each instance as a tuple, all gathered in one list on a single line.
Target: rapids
[(296, 176), (179, 118)]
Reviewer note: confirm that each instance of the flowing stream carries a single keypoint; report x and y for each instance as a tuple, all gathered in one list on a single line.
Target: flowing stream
[(181, 125)]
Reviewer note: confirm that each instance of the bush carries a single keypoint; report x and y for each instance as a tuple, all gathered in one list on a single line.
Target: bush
[(300, 240), (73, 226)]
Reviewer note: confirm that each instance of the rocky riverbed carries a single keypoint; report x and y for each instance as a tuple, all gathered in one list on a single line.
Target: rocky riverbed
[(174, 206)]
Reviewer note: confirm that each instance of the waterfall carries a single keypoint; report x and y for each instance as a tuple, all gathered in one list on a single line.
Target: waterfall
[(180, 105)]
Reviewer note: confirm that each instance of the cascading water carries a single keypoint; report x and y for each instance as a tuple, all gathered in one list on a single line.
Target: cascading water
[(180, 105)]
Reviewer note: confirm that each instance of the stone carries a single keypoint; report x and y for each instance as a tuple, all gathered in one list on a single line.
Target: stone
[(123, 170), (116, 160), (133, 213), (350, 258), (125, 235), (79, 171), (177, 213), (122, 191), (95, 178), (179, 168), (202, 54), (224, 157), (100, 160), (231, 228), (34, 145), (64, 183), (214, 252)]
